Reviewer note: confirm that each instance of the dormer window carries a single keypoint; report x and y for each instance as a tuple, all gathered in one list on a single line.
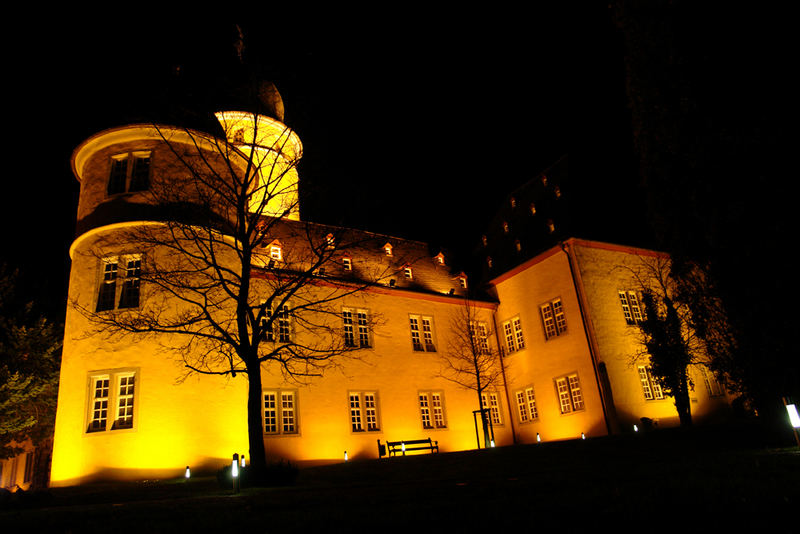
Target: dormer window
[(489, 262), (484, 240), (544, 180), (330, 241), (462, 280), (533, 208), (551, 227), (518, 245), (557, 191), (238, 136), (439, 259), (505, 227), (347, 264), (513, 202), (407, 273), (275, 251), (387, 249)]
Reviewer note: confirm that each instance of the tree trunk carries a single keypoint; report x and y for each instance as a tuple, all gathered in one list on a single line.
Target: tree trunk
[(255, 431), (682, 402)]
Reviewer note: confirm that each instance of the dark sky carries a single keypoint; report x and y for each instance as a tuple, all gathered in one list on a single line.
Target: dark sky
[(412, 126)]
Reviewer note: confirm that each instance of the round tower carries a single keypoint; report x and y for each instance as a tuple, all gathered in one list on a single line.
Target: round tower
[(124, 411)]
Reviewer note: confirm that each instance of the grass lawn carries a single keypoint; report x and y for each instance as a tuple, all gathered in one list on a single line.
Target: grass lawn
[(659, 481)]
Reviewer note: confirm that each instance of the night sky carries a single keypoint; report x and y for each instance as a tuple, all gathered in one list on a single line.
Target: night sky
[(414, 126)]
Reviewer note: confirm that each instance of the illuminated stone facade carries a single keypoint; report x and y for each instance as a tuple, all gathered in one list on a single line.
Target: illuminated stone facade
[(576, 307), (123, 412)]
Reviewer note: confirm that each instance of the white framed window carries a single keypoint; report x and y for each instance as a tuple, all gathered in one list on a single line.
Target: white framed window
[(553, 319), (462, 281), (570, 396), (631, 308), (363, 411), (422, 333), (526, 405), (439, 258), (490, 400), (120, 282), (480, 336), (129, 172), (650, 386), (356, 328), (512, 333), (408, 273), (330, 241), (431, 407), (280, 411), (713, 387), (275, 251), (281, 330), (387, 249), (112, 400), (347, 263)]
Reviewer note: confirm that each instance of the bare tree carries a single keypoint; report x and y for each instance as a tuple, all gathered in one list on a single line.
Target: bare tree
[(670, 343), (225, 274), (470, 361)]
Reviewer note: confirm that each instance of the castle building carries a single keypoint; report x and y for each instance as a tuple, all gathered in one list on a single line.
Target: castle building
[(143, 403)]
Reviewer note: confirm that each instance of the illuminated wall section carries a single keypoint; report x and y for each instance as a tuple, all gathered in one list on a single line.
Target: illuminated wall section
[(275, 149), (397, 375), (605, 270), (545, 362)]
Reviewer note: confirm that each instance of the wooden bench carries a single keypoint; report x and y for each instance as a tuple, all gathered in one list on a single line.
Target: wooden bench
[(394, 447)]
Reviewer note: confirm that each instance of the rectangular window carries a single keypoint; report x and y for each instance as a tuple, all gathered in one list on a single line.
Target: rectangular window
[(347, 264), (112, 295), (280, 412), (713, 386), (512, 331), (117, 401), (480, 336), (356, 328), (129, 172), (140, 174), (363, 411), (526, 405), (553, 319), (131, 284), (28, 475), (431, 407), (630, 307), (108, 286), (422, 335), (491, 402), (570, 397), (118, 176), (281, 328), (125, 402), (650, 387)]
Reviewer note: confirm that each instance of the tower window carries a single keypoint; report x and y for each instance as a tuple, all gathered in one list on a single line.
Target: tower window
[(129, 172)]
